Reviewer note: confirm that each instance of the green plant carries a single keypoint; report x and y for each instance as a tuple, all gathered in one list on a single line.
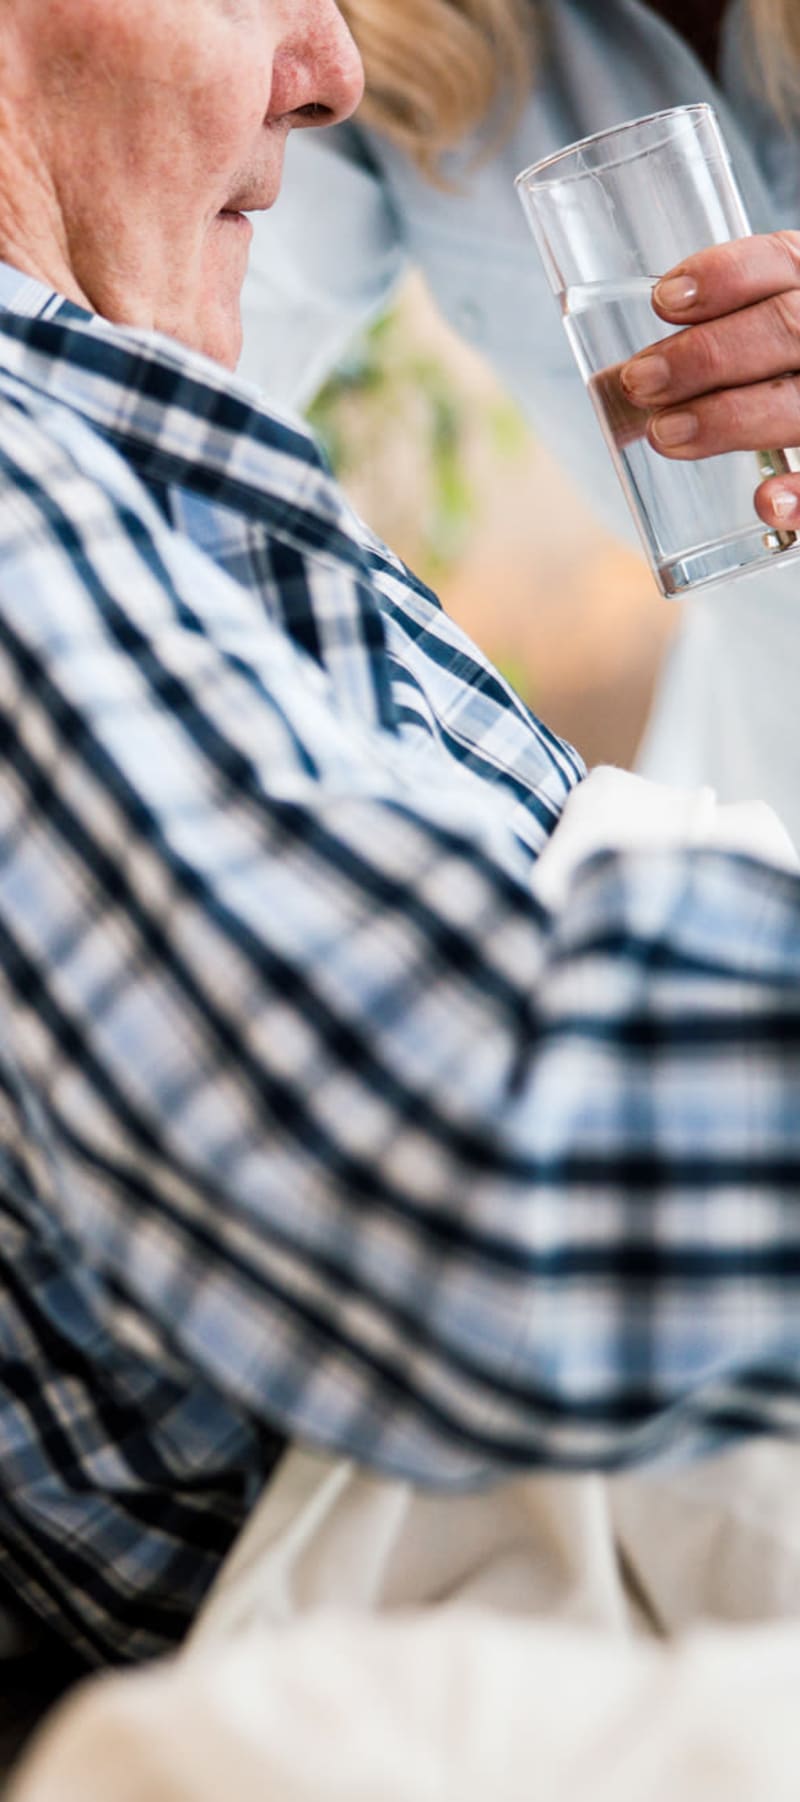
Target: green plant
[(401, 430)]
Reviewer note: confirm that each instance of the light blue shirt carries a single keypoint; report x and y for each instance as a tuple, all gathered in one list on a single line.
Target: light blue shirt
[(316, 1126)]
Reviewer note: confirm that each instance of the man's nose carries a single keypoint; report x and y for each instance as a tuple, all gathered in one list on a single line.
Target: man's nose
[(322, 80)]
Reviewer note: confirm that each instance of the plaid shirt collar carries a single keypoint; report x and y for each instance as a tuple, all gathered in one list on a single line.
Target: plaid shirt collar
[(239, 477), (139, 389), (194, 432)]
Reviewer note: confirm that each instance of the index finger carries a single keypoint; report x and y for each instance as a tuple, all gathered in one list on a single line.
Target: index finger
[(727, 277)]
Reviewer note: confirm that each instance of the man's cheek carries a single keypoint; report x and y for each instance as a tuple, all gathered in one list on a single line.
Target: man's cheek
[(227, 117)]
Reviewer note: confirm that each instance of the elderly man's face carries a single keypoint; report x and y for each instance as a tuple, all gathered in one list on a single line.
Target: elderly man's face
[(150, 127)]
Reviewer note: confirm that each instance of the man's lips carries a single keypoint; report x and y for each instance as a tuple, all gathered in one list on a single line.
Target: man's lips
[(256, 197), (236, 222)]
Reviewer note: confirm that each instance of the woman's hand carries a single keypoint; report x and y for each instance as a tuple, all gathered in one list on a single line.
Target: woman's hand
[(731, 380)]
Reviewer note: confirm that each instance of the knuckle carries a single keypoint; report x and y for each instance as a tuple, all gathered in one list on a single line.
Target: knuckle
[(733, 415), (737, 260), (703, 358), (787, 244), (766, 414), (727, 419), (788, 387), (786, 310)]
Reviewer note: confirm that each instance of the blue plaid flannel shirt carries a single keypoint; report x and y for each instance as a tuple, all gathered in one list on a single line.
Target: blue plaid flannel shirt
[(316, 1126)]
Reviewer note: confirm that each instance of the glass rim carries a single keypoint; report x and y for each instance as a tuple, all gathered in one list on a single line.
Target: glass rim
[(540, 168)]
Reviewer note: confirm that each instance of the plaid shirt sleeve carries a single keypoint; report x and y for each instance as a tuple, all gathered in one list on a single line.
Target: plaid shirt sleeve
[(402, 1165)]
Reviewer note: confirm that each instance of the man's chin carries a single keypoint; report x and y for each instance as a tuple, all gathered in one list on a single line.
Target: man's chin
[(223, 345), (217, 330)]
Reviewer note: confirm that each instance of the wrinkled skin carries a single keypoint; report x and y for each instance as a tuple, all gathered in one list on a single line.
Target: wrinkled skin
[(134, 133)]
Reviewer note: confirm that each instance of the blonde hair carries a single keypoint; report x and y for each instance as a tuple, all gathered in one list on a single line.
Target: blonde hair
[(776, 32), (439, 70)]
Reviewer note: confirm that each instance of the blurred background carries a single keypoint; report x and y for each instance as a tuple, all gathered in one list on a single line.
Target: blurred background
[(444, 468)]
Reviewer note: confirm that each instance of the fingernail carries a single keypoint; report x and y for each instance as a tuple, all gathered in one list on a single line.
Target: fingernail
[(675, 428), (645, 377), (784, 502), (675, 292)]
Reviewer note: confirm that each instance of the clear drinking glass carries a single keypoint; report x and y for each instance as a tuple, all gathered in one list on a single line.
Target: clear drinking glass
[(610, 215)]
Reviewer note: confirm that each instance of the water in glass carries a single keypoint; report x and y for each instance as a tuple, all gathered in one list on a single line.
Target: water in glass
[(697, 519)]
